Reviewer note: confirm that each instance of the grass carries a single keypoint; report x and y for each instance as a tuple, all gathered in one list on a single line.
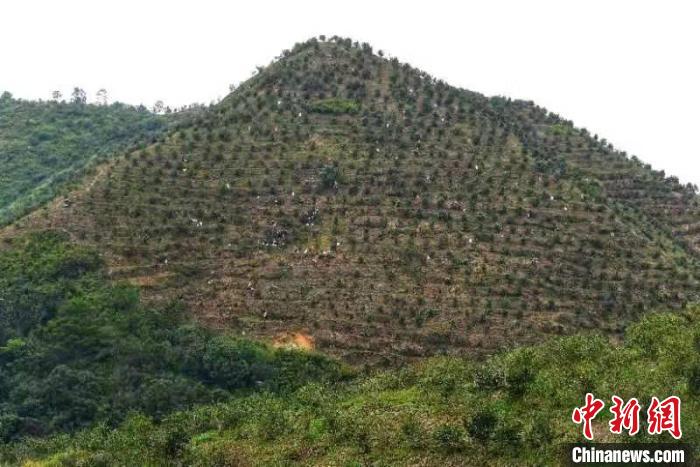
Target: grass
[(335, 106)]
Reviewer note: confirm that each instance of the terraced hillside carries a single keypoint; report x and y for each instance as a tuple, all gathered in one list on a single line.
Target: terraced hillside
[(559, 147), (45, 145), (357, 203)]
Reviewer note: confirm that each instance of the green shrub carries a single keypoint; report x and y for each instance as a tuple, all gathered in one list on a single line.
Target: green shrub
[(482, 425), (335, 106), (449, 438), (329, 177)]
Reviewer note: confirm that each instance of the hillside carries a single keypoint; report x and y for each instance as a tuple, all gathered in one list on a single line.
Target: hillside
[(194, 293), (384, 215), (45, 145), (77, 351), (512, 409)]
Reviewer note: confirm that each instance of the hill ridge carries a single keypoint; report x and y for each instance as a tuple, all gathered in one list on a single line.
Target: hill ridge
[(44, 146)]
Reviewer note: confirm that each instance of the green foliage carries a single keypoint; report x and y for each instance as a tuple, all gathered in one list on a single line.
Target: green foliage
[(450, 438), (335, 106), (408, 416), (330, 177), (75, 350), (38, 275), (44, 145), (482, 425)]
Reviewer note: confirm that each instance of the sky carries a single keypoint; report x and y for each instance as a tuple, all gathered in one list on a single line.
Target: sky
[(626, 70)]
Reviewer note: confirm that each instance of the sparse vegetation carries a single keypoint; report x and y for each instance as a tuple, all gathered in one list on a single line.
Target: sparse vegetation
[(536, 219)]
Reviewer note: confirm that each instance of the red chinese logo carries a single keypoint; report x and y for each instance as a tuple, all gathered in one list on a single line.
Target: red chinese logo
[(625, 416), (587, 413), (661, 416), (665, 416)]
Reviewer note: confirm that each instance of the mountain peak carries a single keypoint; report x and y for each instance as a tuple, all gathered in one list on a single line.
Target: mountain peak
[(387, 215)]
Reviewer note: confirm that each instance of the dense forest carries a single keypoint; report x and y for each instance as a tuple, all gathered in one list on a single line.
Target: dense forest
[(76, 350), (343, 262), (45, 145)]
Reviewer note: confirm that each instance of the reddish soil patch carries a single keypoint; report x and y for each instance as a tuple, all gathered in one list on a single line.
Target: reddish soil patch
[(295, 340)]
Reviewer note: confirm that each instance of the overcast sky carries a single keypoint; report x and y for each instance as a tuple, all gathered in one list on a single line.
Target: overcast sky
[(629, 71)]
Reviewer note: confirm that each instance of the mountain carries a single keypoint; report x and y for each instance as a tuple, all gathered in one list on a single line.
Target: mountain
[(45, 145), (377, 214), (195, 293)]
